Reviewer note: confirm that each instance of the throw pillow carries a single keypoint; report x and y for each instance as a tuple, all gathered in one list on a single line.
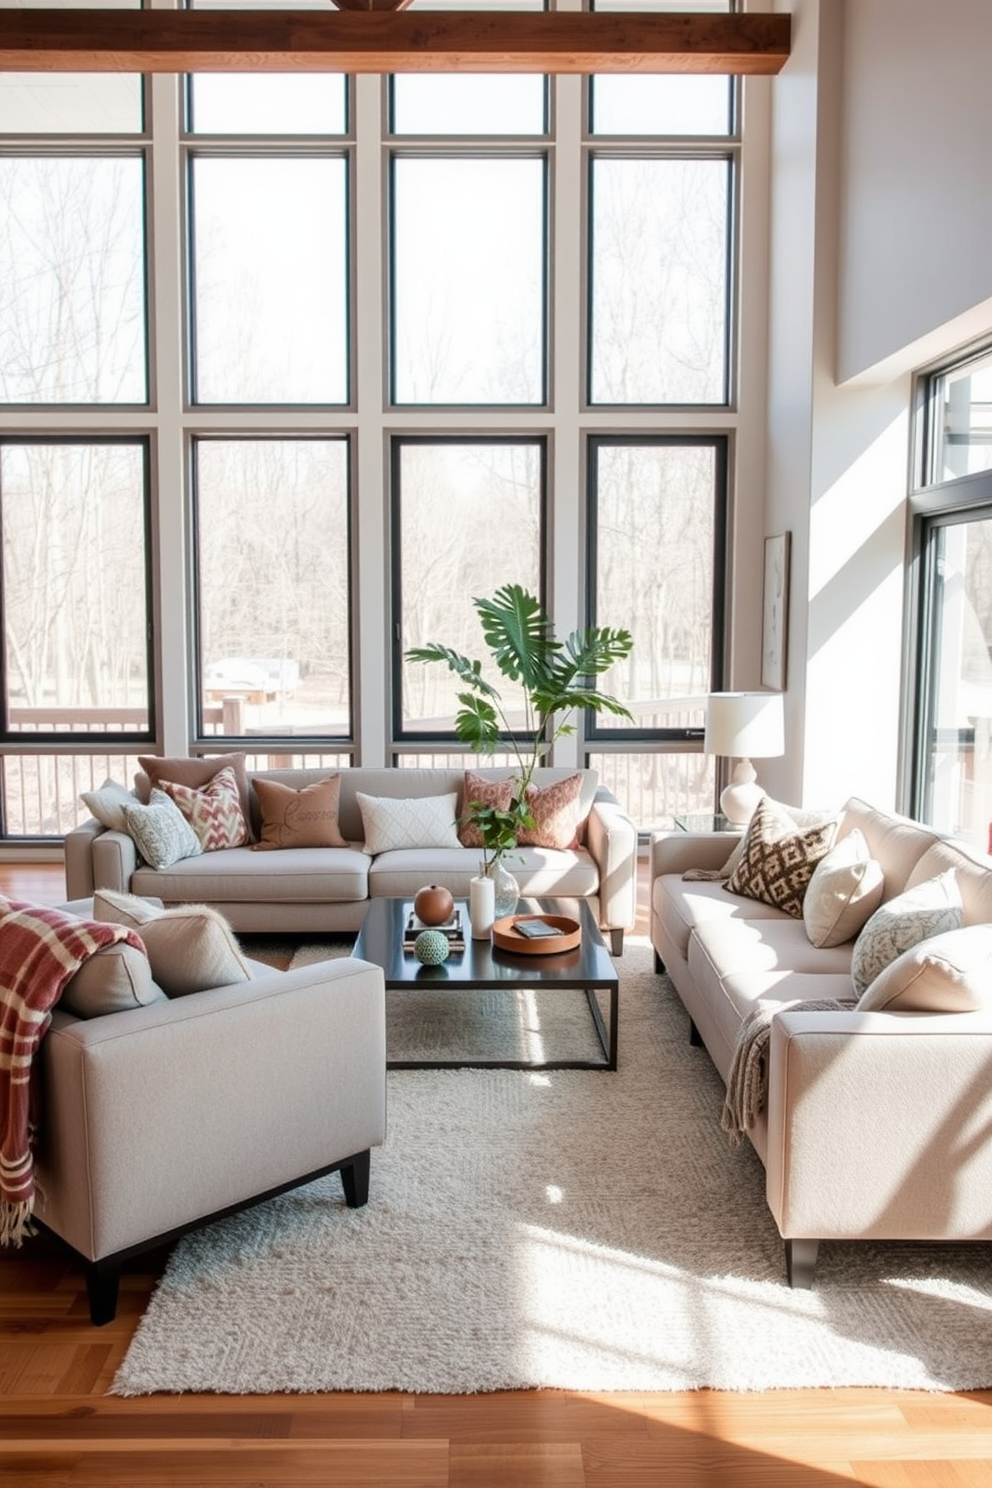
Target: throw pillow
[(949, 973), (114, 979), (423, 821), (107, 804), (483, 791), (846, 887), (556, 812), (197, 772), (299, 818), (793, 818), (190, 948), (928, 909), (214, 812), (161, 832), (777, 862)]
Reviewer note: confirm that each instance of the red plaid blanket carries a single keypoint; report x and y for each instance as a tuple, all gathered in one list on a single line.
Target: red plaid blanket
[(40, 949)]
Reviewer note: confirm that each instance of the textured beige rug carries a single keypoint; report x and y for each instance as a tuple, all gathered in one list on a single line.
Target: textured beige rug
[(576, 1229)]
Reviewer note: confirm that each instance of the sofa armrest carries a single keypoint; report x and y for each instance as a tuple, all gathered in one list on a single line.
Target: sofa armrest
[(675, 852), (611, 838), (880, 1125), (78, 856), (158, 1116), (115, 859)]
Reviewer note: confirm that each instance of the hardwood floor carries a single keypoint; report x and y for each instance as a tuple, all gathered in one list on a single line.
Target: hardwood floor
[(58, 1426)]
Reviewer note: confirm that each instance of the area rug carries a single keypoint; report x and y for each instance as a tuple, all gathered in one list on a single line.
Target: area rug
[(573, 1229)]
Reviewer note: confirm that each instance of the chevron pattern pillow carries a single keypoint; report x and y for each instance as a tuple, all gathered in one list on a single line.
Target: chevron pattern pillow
[(776, 865), (214, 812)]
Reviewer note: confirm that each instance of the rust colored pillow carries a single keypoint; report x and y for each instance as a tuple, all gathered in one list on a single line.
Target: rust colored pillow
[(485, 792), (299, 818), (197, 772), (557, 814)]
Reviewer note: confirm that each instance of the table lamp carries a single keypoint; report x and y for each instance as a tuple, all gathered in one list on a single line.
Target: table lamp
[(741, 725)]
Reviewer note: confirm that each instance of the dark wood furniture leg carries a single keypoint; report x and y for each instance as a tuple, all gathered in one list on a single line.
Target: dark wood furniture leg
[(800, 1262)]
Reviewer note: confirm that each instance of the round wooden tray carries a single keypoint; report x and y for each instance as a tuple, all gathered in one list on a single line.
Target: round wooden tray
[(507, 938)]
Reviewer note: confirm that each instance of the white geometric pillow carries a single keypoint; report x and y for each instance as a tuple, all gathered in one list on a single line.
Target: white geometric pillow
[(930, 908), (162, 834), (424, 821)]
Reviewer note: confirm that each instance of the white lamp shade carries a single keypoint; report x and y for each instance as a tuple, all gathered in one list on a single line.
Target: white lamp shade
[(745, 725)]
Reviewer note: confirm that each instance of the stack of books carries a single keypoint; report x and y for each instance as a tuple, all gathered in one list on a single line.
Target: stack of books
[(452, 928)]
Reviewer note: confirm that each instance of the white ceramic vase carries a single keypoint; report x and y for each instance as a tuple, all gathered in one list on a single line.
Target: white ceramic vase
[(482, 906)]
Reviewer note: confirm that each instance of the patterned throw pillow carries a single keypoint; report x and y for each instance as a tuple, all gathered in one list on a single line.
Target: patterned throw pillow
[(196, 772), (299, 818), (777, 862), (929, 909), (423, 821), (949, 973), (162, 834), (557, 815), (483, 791), (214, 812)]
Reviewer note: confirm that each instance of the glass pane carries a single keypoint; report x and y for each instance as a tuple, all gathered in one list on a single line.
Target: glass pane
[(72, 280), (71, 102), (660, 270), (660, 104), (41, 793), (480, 103), (267, 103), (270, 240), (468, 280), (655, 787), (655, 521), (964, 420), (457, 503), (75, 588), (273, 594), (959, 736)]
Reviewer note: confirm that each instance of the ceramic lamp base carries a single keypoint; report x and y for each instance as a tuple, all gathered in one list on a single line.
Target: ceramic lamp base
[(739, 800)]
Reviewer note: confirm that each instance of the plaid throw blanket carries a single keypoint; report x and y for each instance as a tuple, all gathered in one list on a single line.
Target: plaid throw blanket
[(40, 949), (747, 1086)]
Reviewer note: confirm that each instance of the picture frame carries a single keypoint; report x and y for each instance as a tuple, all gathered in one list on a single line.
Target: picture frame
[(775, 611)]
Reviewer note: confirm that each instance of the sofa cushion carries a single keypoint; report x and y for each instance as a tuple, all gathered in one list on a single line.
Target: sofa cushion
[(114, 979), (949, 973), (777, 862), (481, 790), (107, 804), (214, 812), (680, 905), (299, 818), (301, 875), (190, 948), (894, 841), (195, 772), (926, 909), (557, 814), (845, 889), (540, 872), (393, 823), (972, 875), (161, 833)]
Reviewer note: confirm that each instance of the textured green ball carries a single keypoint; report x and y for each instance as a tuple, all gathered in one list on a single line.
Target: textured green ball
[(431, 947)]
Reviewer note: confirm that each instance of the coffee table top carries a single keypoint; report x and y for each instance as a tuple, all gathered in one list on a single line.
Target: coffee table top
[(481, 964)]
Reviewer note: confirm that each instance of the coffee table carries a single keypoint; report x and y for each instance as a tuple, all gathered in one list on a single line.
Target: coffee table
[(485, 967)]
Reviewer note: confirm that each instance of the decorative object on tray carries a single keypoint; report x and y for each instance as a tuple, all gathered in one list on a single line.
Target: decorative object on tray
[(482, 906), (433, 905), (453, 930), (432, 947), (537, 935)]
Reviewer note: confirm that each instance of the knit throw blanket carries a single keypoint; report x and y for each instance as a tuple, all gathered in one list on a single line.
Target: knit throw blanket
[(747, 1086), (40, 949)]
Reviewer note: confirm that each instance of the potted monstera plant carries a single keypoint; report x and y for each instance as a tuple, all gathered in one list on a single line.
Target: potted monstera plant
[(556, 678)]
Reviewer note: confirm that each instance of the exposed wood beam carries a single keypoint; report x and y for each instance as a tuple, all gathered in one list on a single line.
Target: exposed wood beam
[(390, 41)]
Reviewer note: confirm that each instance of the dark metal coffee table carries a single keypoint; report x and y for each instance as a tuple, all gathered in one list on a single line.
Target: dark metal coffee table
[(485, 967)]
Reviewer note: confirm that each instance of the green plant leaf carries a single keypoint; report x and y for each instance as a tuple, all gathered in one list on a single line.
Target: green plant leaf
[(516, 630)]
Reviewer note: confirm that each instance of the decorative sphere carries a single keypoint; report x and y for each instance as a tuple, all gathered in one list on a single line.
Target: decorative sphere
[(433, 905), (431, 947)]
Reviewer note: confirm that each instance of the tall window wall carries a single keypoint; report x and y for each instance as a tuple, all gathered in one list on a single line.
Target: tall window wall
[(292, 368)]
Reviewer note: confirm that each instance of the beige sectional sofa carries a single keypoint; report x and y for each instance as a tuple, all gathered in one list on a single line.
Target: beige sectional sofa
[(875, 1124), (327, 888)]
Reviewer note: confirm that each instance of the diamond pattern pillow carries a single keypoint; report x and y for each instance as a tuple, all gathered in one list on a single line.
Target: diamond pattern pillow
[(162, 834), (482, 791), (777, 862), (929, 909), (214, 812), (423, 821), (556, 812)]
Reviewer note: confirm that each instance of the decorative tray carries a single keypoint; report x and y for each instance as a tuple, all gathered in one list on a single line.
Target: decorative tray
[(509, 938)]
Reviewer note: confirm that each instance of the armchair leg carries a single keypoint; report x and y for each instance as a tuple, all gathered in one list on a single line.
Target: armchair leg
[(694, 1037), (659, 965), (355, 1179), (102, 1287), (800, 1262), (616, 942)]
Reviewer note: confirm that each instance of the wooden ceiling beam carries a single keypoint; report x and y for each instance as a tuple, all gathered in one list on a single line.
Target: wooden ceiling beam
[(390, 41)]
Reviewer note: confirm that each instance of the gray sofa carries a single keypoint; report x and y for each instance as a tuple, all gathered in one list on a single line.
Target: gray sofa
[(327, 889), (876, 1124)]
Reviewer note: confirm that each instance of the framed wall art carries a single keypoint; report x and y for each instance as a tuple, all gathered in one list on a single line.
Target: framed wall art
[(775, 612)]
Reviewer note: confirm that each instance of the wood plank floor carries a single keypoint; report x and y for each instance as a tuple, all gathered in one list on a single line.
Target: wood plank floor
[(58, 1426)]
